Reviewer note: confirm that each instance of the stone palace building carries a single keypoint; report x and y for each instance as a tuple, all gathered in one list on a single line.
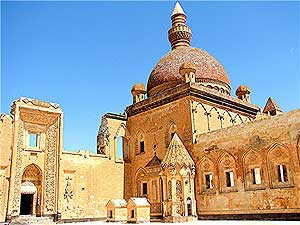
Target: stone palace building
[(186, 144)]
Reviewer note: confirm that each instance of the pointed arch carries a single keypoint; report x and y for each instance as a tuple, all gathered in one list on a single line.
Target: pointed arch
[(227, 119), (122, 131), (140, 144), (279, 166), (201, 115), (121, 139), (207, 175), (32, 176), (140, 179), (170, 131), (238, 119), (253, 170), (227, 172), (214, 118)]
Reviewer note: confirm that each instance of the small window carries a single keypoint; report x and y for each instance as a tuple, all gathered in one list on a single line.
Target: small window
[(208, 181), (142, 146), (33, 140), (132, 213), (145, 191), (256, 176), (110, 214), (120, 147), (282, 173), (229, 179)]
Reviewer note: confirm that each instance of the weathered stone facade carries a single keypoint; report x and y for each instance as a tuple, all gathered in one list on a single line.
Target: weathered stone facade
[(192, 149)]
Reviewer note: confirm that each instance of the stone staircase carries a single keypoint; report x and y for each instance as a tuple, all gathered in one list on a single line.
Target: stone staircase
[(32, 220)]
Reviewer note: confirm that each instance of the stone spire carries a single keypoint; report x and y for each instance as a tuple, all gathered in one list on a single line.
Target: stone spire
[(179, 34)]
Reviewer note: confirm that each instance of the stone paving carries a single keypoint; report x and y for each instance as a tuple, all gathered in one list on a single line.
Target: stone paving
[(204, 222)]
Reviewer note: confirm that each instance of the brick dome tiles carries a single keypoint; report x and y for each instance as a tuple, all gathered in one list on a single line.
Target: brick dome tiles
[(167, 69)]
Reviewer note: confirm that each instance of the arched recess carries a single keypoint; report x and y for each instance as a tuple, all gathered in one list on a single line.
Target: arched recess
[(122, 138), (215, 121), (253, 170), (170, 131), (207, 175), (140, 144), (227, 172), (201, 118), (31, 191), (141, 181), (279, 166), (238, 119), (227, 119)]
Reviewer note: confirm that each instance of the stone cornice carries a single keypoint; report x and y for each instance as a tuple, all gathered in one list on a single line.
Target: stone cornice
[(193, 90), (115, 116)]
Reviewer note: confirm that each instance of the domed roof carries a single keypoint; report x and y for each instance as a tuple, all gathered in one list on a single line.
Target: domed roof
[(138, 87), (166, 72), (243, 89)]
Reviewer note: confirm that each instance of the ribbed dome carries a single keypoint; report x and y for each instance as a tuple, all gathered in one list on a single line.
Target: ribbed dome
[(166, 75)]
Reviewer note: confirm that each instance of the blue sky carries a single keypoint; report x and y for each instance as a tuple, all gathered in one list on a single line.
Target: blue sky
[(87, 55)]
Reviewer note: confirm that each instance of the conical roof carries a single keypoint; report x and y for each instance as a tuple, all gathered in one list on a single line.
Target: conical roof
[(271, 105), (155, 161), (177, 9), (177, 154)]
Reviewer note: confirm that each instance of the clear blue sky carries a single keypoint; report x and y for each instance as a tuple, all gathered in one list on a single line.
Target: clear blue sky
[(87, 55)]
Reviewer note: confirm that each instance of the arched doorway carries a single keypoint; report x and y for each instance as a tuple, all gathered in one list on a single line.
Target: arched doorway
[(28, 198), (30, 203)]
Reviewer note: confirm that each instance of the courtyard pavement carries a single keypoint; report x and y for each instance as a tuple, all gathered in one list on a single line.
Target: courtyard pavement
[(203, 222)]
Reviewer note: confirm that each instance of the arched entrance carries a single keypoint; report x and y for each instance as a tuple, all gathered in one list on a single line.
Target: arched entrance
[(30, 203), (28, 198)]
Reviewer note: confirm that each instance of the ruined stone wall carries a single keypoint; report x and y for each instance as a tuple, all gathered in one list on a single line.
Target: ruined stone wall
[(87, 182), (44, 120), (155, 128), (262, 144), (5, 155)]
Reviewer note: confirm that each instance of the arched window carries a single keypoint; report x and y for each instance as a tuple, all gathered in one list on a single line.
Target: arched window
[(121, 143), (280, 171), (227, 173), (119, 147), (140, 143)]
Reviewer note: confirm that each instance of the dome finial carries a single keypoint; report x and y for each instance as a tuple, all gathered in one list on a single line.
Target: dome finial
[(179, 34), (177, 9)]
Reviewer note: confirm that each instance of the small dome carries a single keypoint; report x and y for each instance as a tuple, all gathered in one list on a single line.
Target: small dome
[(139, 87), (242, 89), (166, 75), (187, 67)]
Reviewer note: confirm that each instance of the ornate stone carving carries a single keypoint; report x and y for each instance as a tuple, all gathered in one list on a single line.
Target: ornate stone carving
[(169, 190), (178, 189), (35, 128), (68, 194), (37, 117), (50, 172), (103, 137), (18, 174)]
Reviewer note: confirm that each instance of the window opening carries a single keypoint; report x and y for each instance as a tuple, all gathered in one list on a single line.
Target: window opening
[(282, 173), (208, 181), (142, 146), (256, 176), (33, 140), (145, 191), (229, 179)]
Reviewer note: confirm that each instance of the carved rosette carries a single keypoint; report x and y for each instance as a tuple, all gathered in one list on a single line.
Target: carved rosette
[(18, 174), (51, 168)]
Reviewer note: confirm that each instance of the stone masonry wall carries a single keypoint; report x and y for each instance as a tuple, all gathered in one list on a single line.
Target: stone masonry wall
[(262, 144)]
